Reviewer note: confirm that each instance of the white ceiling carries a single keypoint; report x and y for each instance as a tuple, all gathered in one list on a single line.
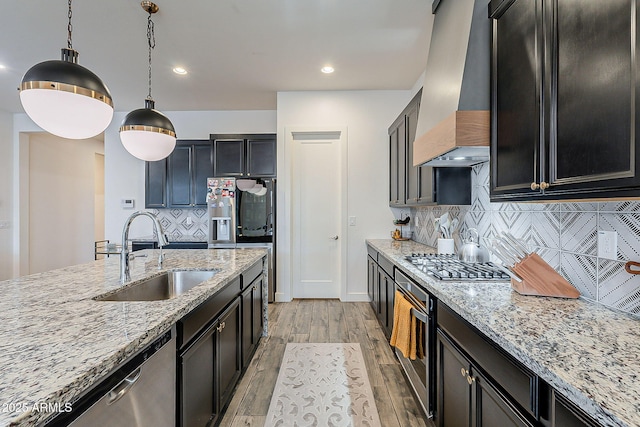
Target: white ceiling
[(239, 53)]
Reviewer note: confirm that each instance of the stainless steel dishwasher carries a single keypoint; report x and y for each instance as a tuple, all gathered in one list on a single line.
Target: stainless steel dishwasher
[(142, 392)]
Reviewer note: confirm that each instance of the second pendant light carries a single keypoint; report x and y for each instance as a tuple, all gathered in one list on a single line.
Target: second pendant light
[(146, 133)]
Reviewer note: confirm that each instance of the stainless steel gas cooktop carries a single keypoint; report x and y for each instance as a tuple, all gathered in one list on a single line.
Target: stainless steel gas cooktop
[(449, 267)]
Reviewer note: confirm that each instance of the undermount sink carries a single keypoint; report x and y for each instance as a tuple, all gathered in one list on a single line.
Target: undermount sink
[(165, 286)]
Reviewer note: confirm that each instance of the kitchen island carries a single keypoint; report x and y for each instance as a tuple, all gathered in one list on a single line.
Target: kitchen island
[(587, 352), (56, 341)]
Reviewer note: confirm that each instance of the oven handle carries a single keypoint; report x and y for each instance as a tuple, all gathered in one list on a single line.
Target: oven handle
[(419, 314)]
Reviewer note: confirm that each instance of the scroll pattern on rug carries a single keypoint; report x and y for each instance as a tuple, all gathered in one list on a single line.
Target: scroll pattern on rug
[(323, 384)]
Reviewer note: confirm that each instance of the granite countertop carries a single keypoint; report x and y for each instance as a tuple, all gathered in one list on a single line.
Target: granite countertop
[(56, 341), (171, 239), (588, 352)]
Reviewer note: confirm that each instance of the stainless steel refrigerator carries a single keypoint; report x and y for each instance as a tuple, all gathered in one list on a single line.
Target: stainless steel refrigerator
[(242, 214)]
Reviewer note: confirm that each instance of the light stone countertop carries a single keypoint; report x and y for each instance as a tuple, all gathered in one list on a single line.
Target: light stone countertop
[(588, 352), (56, 341)]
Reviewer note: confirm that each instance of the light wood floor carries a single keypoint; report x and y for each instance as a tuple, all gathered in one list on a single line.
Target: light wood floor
[(324, 321)]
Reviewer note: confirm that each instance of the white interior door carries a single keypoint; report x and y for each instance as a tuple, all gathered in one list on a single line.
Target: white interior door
[(317, 215)]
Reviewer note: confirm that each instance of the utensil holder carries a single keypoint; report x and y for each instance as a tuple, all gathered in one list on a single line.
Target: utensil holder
[(446, 247)]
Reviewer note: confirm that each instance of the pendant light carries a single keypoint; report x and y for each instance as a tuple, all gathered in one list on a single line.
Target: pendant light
[(64, 98), (146, 133)]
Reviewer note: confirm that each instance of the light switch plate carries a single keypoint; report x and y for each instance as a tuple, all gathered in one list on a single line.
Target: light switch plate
[(5, 224), (607, 244), (352, 221)]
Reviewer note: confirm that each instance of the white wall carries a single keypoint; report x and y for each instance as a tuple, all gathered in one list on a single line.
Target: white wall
[(367, 116), (61, 201), (125, 174), (6, 202)]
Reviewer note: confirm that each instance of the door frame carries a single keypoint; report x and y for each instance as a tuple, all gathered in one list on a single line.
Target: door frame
[(292, 134)]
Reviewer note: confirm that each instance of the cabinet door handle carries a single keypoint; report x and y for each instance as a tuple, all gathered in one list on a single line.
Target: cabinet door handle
[(221, 327), (470, 379), (542, 186), (255, 287), (464, 372)]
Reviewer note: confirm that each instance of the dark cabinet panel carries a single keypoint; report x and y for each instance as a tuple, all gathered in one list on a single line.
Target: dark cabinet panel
[(202, 169), (566, 414), (516, 97), (261, 157), (372, 269), (180, 180), (564, 123), (244, 155), (252, 319), (228, 353), (229, 157), (179, 176), (468, 398), (594, 92), (197, 379), (155, 194)]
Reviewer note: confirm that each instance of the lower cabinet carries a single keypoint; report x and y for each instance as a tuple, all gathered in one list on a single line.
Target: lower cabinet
[(252, 319), (381, 289), (566, 414), (210, 368), (466, 397), (216, 341)]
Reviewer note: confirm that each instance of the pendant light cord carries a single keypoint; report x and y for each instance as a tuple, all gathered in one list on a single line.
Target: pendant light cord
[(151, 39), (69, 28)]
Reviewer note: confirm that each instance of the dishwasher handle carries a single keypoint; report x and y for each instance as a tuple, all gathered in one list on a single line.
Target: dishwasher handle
[(123, 387)]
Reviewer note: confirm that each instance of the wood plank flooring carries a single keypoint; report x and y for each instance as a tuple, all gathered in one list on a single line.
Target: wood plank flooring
[(324, 321)]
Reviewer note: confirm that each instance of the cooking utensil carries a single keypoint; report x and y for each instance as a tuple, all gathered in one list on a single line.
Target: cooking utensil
[(471, 250), (444, 225)]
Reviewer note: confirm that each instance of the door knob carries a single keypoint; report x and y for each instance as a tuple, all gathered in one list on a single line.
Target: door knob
[(334, 238)]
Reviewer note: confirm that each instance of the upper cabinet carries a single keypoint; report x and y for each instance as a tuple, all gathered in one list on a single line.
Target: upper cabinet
[(188, 167), (563, 100), (180, 180), (421, 185), (252, 155)]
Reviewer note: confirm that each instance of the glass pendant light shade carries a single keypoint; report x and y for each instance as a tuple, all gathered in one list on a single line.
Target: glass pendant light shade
[(148, 134), (66, 99)]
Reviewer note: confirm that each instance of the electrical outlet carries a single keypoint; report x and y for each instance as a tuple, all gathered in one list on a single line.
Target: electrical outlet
[(352, 221), (607, 244), (5, 224), (189, 222)]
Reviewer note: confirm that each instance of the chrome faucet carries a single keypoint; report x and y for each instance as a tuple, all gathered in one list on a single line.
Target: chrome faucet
[(125, 275)]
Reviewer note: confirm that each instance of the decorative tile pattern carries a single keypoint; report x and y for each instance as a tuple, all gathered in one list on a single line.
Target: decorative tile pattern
[(628, 227), (564, 234), (176, 223), (617, 288), (581, 272), (323, 384), (579, 233)]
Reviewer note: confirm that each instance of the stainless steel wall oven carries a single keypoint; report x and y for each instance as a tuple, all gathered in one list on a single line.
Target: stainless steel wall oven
[(420, 372)]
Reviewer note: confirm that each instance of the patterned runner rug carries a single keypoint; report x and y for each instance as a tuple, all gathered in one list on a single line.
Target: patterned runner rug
[(323, 384)]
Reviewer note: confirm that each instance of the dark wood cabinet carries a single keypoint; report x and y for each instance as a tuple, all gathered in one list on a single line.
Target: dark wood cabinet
[(244, 155), (252, 319), (381, 289), (563, 95), (180, 180), (188, 168), (228, 355), (408, 184), (155, 193), (421, 185), (566, 414), (466, 397)]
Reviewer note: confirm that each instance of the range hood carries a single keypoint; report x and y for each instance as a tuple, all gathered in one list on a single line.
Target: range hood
[(454, 122)]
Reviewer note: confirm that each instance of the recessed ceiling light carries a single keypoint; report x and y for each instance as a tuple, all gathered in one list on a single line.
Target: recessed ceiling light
[(3, 67), (327, 69), (180, 70)]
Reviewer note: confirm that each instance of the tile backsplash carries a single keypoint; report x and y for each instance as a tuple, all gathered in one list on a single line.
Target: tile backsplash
[(181, 224), (564, 234)]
